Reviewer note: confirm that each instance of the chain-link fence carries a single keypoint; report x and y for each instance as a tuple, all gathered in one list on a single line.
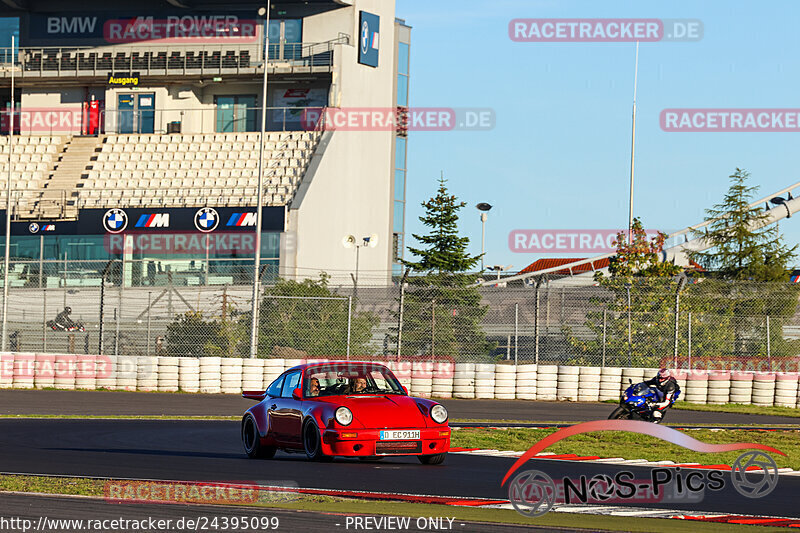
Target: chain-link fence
[(644, 324)]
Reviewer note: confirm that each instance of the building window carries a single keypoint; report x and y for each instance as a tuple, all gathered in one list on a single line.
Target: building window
[(400, 152), (402, 58), (399, 208), (236, 113), (402, 90)]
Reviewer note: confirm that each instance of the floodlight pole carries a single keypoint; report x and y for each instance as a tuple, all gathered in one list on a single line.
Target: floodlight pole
[(6, 261), (484, 216), (633, 146), (260, 196)]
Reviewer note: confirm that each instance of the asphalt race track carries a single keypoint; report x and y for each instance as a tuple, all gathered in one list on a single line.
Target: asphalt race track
[(203, 450), (114, 403)]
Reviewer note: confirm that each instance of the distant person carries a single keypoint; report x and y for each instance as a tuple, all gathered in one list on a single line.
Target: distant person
[(63, 319)]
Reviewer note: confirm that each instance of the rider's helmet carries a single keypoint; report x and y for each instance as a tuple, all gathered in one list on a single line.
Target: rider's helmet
[(68, 310), (663, 376)]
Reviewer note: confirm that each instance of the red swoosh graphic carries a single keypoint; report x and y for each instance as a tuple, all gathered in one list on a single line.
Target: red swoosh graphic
[(634, 426)]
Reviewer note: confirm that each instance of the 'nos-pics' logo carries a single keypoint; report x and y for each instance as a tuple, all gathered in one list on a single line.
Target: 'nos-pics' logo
[(533, 493)]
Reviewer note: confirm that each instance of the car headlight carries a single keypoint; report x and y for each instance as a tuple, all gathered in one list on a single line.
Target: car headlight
[(439, 413), (344, 416)]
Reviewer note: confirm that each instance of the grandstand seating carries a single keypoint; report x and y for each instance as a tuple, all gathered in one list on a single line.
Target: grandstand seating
[(33, 157), (217, 169)]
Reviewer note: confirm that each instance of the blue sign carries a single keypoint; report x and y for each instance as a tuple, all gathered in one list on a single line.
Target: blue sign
[(368, 38)]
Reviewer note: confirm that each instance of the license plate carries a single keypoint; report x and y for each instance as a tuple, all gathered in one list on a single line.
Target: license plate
[(400, 434)]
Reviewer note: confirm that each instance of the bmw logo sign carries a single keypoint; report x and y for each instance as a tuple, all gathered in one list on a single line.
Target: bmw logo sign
[(364, 37), (115, 220), (34, 227), (206, 219)]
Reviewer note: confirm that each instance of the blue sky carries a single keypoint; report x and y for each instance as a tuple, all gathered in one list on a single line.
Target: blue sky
[(559, 155)]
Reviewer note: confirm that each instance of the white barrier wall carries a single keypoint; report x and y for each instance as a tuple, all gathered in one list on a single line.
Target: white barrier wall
[(436, 379)]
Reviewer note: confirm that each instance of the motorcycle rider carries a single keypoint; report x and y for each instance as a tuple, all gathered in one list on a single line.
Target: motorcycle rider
[(668, 386), (63, 320)]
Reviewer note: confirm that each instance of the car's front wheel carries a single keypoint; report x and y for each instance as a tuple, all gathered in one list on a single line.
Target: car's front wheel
[(312, 443), (436, 459), (251, 441)]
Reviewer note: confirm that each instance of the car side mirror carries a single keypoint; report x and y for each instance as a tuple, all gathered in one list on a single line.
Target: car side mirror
[(630, 381), (405, 389), (297, 394)]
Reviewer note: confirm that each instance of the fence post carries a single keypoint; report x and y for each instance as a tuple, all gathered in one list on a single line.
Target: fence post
[(536, 324), (689, 333), (630, 345), (603, 361), (677, 311), (433, 328), (769, 347), (349, 322), (44, 320), (516, 331), (400, 317), (149, 295)]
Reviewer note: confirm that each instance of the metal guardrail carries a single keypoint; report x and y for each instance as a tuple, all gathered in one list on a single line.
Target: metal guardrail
[(170, 59)]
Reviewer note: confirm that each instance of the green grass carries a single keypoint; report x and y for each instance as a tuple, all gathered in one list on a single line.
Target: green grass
[(328, 504), (634, 445), (772, 410)]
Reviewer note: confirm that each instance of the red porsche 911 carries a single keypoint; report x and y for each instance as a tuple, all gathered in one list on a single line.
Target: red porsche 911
[(344, 409)]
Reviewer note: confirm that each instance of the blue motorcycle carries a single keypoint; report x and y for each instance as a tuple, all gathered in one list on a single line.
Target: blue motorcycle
[(638, 402)]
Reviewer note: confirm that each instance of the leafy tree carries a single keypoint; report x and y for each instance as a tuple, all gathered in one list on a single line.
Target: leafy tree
[(743, 247), (635, 270), (442, 309), (190, 334), (310, 317)]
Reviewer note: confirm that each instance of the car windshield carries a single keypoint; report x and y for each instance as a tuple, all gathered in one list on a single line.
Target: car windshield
[(349, 379)]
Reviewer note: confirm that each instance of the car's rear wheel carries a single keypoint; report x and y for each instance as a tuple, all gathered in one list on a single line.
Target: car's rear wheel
[(436, 459), (251, 441), (312, 443)]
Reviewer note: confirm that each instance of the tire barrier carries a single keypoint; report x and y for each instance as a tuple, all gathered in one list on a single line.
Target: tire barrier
[(526, 382), (547, 382), (434, 379)]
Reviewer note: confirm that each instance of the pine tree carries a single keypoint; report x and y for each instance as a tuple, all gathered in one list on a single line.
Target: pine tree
[(442, 309), (445, 254), (743, 247)]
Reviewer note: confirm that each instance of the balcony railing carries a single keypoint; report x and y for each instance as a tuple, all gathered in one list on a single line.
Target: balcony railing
[(170, 60)]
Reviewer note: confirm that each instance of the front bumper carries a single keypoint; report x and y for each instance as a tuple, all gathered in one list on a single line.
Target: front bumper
[(366, 442)]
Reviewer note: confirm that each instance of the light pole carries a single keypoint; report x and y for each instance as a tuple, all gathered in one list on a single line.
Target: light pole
[(350, 241), (8, 207), (264, 12), (484, 208)]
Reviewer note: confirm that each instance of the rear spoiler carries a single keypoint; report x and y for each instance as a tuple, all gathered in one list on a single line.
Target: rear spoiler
[(256, 395)]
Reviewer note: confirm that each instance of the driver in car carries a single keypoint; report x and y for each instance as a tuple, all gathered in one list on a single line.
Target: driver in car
[(666, 384), (313, 387)]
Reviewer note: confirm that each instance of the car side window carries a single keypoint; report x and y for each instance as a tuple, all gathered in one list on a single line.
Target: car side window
[(274, 389), (291, 382)]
